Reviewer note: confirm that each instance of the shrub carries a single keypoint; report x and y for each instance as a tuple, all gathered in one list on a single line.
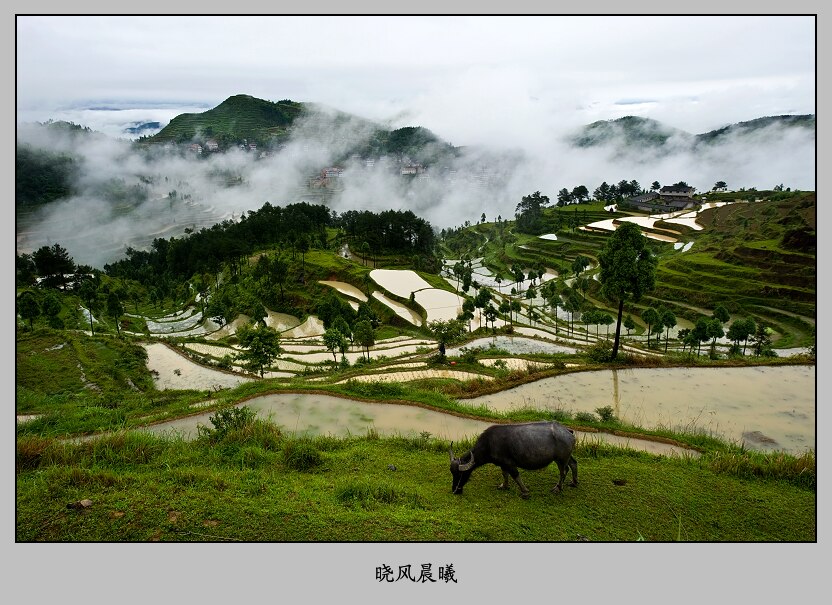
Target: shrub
[(226, 420), (606, 413), (585, 417), (467, 355), (600, 352), (301, 454)]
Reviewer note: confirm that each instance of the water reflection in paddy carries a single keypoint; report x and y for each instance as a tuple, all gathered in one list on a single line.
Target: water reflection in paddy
[(314, 414), (767, 408)]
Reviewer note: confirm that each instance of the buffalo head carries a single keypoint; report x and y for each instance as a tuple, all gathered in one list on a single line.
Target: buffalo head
[(460, 471)]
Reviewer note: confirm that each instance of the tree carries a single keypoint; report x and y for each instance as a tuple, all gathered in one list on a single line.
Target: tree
[(628, 270), (334, 341), (580, 263), (89, 294), (445, 332), (629, 323), (467, 313), (280, 272), (515, 307), (761, 341), (458, 271), (714, 331), (340, 324), (53, 262), (51, 307), (720, 316), (505, 309), (564, 197), (742, 329), (655, 186), (700, 333), (580, 193), (491, 316), (650, 317), (602, 193), (606, 319), (668, 320), (529, 212), (572, 303), (531, 293), (591, 317), (719, 185), (364, 335), (262, 346), (28, 307), (115, 309), (721, 313), (303, 248), (518, 275), (551, 294), (683, 335)]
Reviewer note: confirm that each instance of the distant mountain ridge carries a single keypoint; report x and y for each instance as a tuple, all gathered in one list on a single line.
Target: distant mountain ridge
[(632, 132)]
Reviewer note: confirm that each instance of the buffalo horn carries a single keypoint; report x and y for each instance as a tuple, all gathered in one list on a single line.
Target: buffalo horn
[(468, 465), (451, 451)]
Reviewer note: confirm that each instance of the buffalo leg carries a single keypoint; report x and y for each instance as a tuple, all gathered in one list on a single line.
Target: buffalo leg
[(562, 468), (504, 484), (510, 470), (573, 464)]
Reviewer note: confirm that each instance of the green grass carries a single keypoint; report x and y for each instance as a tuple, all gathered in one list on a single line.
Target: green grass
[(148, 489)]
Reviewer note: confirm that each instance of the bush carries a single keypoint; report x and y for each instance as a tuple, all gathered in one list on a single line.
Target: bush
[(467, 355), (606, 413), (600, 352), (585, 417), (226, 420), (301, 454), (226, 362)]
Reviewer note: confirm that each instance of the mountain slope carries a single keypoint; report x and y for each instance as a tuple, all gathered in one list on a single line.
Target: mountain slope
[(630, 131), (635, 133)]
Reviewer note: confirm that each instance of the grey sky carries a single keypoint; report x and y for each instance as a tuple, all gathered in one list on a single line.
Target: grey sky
[(471, 79)]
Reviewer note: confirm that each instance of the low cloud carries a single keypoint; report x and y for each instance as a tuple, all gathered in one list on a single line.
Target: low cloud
[(127, 196)]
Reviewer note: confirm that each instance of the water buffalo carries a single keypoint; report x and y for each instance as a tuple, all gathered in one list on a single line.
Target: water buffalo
[(530, 446)]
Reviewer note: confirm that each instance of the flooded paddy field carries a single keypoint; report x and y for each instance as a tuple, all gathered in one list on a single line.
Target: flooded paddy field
[(767, 408)]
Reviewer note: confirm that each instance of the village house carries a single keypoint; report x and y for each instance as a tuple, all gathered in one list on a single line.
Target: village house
[(668, 199), (412, 169), (332, 173), (212, 145)]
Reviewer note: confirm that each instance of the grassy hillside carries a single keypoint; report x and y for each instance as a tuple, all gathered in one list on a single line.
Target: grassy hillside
[(255, 484), (238, 117)]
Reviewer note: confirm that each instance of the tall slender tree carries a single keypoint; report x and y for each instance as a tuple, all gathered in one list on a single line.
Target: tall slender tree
[(628, 270)]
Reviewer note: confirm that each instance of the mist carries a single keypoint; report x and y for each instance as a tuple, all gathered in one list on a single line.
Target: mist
[(161, 194)]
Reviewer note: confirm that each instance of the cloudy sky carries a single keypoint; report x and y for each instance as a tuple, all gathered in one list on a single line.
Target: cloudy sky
[(471, 79), (498, 85)]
